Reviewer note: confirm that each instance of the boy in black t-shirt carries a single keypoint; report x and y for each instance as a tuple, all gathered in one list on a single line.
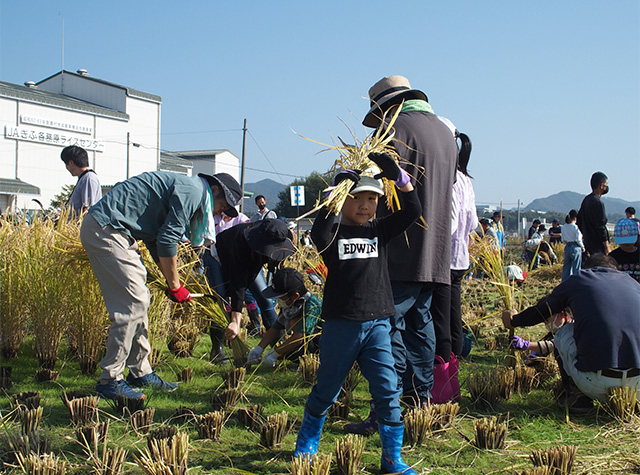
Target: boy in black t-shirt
[(357, 305), (627, 254)]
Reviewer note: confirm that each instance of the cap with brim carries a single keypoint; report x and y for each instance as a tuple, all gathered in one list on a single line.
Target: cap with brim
[(387, 92), (285, 280), (270, 238), (230, 188), (367, 184), (626, 231)]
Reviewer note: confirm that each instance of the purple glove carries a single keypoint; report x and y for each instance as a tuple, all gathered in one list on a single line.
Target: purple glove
[(520, 343)]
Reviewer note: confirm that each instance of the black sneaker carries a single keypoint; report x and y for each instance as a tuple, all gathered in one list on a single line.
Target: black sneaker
[(151, 380), (578, 404)]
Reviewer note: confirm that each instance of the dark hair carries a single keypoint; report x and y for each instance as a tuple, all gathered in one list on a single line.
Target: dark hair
[(600, 260), (300, 290), (597, 179), (464, 153), (630, 210), (536, 221), (258, 197), (484, 222), (75, 154), (573, 214)]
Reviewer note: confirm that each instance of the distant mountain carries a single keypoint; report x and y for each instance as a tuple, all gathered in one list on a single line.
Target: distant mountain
[(565, 200), (267, 187)]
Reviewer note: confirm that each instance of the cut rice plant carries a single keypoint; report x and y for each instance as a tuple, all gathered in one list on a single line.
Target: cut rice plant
[(28, 399), (490, 433), (184, 414), (445, 413), (111, 462), (547, 368), (526, 378), (418, 425), (356, 157), (45, 375), (353, 379), (37, 442), (5, 377), (13, 316), (141, 421), (274, 430), (210, 425), (340, 409), (186, 375), (305, 464), (251, 416), (623, 403), (484, 388), (506, 378), (47, 464), (29, 419), (543, 470), (92, 434), (234, 377), (308, 262), (126, 405), (82, 410), (309, 365), (159, 315), (349, 451), (225, 400), (166, 456), (561, 458), (161, 433)]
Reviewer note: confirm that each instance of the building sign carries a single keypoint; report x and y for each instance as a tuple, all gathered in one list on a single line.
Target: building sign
[(55, 124), (52, 138)]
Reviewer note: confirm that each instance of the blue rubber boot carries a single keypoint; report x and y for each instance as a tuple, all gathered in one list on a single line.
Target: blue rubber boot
[(391, 439), (309, 434)]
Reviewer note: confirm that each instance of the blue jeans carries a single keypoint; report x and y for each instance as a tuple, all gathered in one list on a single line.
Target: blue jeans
[(413, 339), (342, 343), (572, 260), (213, 272)]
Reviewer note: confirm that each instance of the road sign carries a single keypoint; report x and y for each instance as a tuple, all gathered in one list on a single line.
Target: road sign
[(297, 195)]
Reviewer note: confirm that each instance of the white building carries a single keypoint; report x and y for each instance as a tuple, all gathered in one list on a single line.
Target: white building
[(118, 126)]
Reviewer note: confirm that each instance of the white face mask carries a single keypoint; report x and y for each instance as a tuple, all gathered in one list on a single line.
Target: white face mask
[(283, 303)]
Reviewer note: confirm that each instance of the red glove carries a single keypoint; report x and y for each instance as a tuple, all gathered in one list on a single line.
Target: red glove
[(180, 295)]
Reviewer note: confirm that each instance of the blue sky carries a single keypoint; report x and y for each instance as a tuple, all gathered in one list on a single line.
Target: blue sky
[(548, 91)]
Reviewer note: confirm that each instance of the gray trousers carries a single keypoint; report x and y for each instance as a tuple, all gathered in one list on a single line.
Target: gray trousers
[(122, 276)]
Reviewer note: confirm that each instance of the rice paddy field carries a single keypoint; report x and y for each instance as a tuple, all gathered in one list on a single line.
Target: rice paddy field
[(227, 419)]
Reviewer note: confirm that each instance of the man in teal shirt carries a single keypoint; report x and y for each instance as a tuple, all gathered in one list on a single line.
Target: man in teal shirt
[(157, 208)]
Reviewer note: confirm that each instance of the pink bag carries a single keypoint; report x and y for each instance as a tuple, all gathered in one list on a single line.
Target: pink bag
[(446, 386)]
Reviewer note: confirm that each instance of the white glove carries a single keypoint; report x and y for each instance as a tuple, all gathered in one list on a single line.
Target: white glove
[(255, 355), (271, 358)]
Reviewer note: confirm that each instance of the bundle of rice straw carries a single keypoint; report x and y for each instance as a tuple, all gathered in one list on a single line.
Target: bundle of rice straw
[(356, 157)]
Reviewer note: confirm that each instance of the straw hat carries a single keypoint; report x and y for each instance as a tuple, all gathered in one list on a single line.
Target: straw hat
[(387, 92)]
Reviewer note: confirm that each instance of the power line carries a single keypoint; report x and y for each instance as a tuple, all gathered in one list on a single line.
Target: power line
[(265, 156)]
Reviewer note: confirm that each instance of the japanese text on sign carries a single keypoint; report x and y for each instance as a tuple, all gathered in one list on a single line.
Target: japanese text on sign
[(52, 138)]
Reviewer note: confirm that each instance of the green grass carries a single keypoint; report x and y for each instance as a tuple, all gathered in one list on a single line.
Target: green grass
[(604, 445)]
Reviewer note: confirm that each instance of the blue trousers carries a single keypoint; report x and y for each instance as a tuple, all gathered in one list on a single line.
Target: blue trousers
[(413, 340), (572, 260), (342, 343), (213, 272)]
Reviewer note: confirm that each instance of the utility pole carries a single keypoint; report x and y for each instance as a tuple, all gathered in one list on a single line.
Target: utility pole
[(519, 222), (244, 144), (128, 143)]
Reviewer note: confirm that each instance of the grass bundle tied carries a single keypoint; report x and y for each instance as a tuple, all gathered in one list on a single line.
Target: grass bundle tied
[(623, 403), (274, 429), (29, 419), (234, 377), (484, 387), (305, 464), (490, 433), (82, 410), (47, 464), (561, 458), (93, 433), (28, 399), (349, 451), (226, 399), (141, 420), (309, 365), (210, 425), (166, 456), (356, 157), (251, 416), (161, 433)]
